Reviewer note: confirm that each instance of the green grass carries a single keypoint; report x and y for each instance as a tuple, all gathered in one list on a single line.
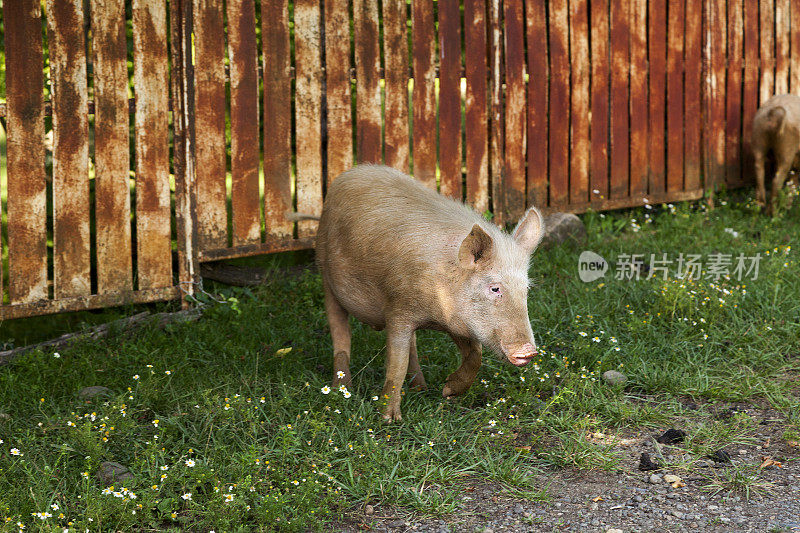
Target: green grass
[(270, 451)]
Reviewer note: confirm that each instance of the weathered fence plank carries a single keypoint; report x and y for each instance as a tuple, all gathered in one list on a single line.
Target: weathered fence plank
[(782, 42), (794, 47), (368, 90), (536, 32), (715, 156), (559, 103), (766, 41), (243, 57), (733, 95), (212, 218), (620, 142), (638, 98), (277, 118), (496, 112), (600, 81), (579, 102), (477, 133), (308, 107), (693, 91), (337, 72), (424, 97), (514, 177), (675, 34), (151, 85), (657, 51), (112, 160), (27, 216), (450, 98), (750, 97), (71, 238)]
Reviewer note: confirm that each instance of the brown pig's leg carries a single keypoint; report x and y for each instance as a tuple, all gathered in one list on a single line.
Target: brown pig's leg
[(777, 184), (414, 370), (340, 335), (459, 381), (398, 348), (761, 192)]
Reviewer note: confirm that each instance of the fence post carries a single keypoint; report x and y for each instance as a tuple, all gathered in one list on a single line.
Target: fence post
[(183, 135)]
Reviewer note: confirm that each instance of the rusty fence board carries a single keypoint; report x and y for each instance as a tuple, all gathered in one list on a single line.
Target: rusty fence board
[(337, 72), (536, 33), (209, 82), (496, 120), (766, 41), (277, 119), (308, 112), (638, 98), (675, 34), (559, 103), (424, 96), (620, 142), (733, 94), (112, 159), (450, 98), (693, 91), (27, 217), (794, 48), (750, 97), (515, 115), (782, 42), (657, 90), (151, 85), (476, 134), (715, 156), (71, 260), (599, 101), (243, 57), (579, 102), (368, 90), (395, 50)]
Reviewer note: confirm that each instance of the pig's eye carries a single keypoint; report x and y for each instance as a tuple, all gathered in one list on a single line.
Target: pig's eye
[(495, 290)]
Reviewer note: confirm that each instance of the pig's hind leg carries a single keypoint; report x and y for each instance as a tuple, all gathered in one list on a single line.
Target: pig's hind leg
[(459, 381), (414, 371), (340, 335)]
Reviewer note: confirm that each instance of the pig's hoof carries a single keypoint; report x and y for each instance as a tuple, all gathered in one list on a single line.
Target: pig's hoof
[(454, 388), (392, 414)]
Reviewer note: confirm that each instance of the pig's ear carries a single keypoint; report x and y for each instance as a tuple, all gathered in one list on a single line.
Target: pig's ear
[(530, 230), (476, 248)]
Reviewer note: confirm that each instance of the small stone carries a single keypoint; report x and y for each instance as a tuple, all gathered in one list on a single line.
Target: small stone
[(560, 227), (519, 509), (612, 377), (638, 498), (593, 506), (89, 393), (655, 479), (368, 510), (672, 436), (614, 530), (671, 478), (742, 452), (111, 472), (676, 514), (646, 464), (720, 456), (488, 530), (595, 522)]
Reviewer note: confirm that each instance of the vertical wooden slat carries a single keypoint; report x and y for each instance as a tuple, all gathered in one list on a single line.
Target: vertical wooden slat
[(476, 106), (337, 71), (794, 47), (767, 49), (515, 114), (212, 218), (579, 105), (308, 106), (693, 91), (619, 98), (536, 30), (638, 98), (657, 43), (559, 103), (424, 104), (496, 111), (450, 98), (151, 85), (733, 94), (750, 95), (277, 118), (368, 90), (71, 260), (600, 80), (675, 28), (112, 160), (716, 23), (27, 217), (243, 57), (782, 42)]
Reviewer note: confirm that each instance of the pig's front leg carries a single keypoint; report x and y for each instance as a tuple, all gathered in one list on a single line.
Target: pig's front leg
[(414, 370), (459, 381), (398, 347)]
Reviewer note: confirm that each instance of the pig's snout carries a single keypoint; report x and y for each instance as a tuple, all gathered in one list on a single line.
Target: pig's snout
[(521, 355)]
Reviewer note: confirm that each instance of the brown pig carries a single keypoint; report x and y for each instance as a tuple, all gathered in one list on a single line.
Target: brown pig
[(399, 256), (776, 129)]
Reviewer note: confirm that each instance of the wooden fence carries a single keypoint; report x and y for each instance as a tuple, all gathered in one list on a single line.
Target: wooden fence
[(246, 110)]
